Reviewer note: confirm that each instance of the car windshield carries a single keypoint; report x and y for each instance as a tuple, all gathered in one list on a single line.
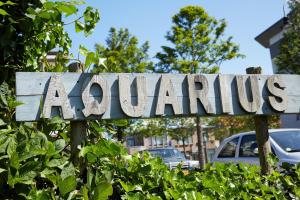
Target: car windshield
[(166, 153), (287, 140)]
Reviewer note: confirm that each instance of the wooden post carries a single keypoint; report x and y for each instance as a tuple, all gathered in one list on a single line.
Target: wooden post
[(262, 139), (78, 129), (262, 133), (201, 154)]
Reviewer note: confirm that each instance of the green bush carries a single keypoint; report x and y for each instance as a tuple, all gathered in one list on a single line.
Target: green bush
[(35, 165)]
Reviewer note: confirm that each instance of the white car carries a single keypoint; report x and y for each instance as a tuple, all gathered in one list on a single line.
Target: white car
[(285, 144), (172, 157)]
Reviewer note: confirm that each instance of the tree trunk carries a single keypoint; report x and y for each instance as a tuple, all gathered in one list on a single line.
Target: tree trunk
[(201, 154), (262, 133), (120, 134), (183, 144)]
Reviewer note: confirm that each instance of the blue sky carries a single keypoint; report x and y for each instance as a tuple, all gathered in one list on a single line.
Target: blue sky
[(150, 20)]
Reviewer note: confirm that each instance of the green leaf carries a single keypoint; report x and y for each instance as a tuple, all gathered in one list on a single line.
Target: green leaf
[(72, 195), (85, 193), (67, 9), (103, 191), (56, 120), (57, 162), (47, 172), (79, 26), (27, 178), (3, 99), (4, 157), (59, 145), (2, 170), (85, 150), (31, 16), (42, 195), (89, 59), (3, 12), (13, 104), (108, 175), (10, 179), (120, 122), (88, 14), (98, 128), (14, 161), (45, 15), (65, 136), (67, 185), (10, 3), (49, 5), (92, 158), (127, 186), (137, 196), (11, 147), (90, 177), (68, 171), (297, 191), (83, 50), (2, 123), (78, 2)]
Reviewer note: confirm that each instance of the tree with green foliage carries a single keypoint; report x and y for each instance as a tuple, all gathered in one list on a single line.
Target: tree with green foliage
[(227, 126), (198, 46), (197, 42), (122, 53), (288, 60), (148, 128), (15, 30), (181, 129), (32, 28)]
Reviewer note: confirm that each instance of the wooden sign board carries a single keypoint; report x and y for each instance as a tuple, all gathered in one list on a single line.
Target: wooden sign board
[(85, 96)]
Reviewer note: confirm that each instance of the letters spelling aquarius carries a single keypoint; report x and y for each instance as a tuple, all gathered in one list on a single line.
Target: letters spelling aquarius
[(166, 95)]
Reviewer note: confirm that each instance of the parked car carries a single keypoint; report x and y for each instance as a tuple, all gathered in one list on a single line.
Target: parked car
[(285, 144), (172, 157)]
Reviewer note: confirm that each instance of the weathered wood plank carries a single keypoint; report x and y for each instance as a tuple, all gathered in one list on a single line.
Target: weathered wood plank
[(224, 92), (35, 83), (167, 96), (247, 104), (91, 105), (279, 103), (125, 95), (32, 89), (200, 93), (57, 96)]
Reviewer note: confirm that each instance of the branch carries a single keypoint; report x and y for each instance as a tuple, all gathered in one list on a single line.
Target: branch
[(72, 21)]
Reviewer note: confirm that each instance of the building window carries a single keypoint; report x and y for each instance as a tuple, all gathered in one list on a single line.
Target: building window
[(159, 140), (130, 142), (187, 141), (136, 140)]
